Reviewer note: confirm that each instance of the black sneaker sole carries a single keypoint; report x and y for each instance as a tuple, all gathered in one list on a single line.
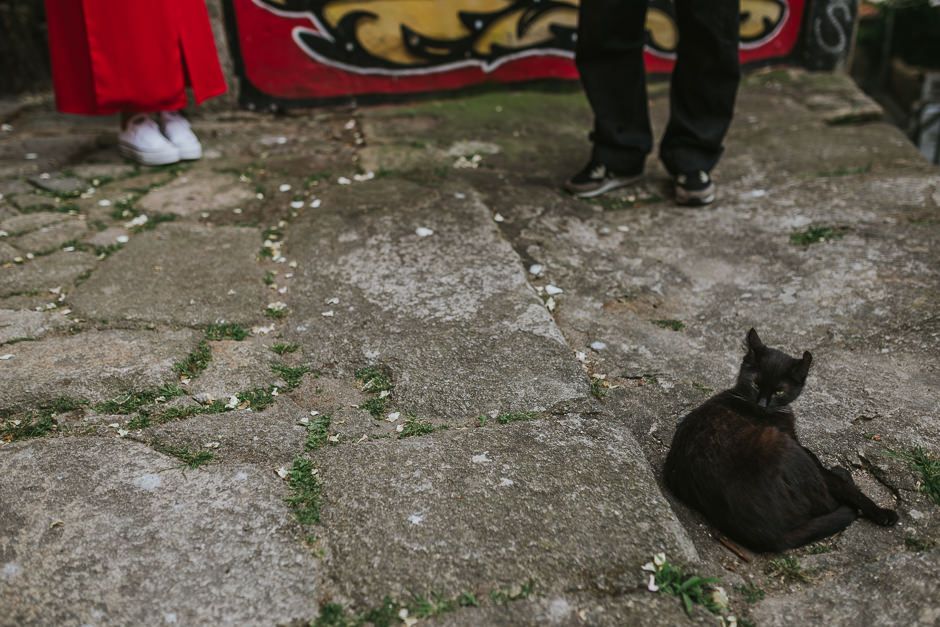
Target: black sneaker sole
[(695, 198), (583, 191)]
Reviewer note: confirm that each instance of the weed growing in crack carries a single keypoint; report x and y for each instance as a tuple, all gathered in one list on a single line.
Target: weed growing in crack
[(292, 375), (257, 398), (318, 430), (282, 349), (192, 459), (374, 379), (375, 406), (599, 388), (815, 234), (751, 592), (414, 426), (691, 589), (668, 323), (131, 402), (226, 331), (788, 569), (516, 416), (194, 363), (305, 491), (924, 464)]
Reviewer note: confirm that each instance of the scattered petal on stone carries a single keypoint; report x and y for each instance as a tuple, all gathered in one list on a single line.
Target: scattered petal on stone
[(505, 482), (4, 234), (314, 412), (31, 156), (212, 444), (384, 394), (422, 231), (598, 345), (415, 519), (651, 586), (333, 438), (659, 559), (277, 306), (292, 264), (138, 221), (648, 567), (350, 125), (536, 269), (392, 417), (122, 239), (232, 402), (315, 203), (754, 193), (6, 128), (237, 210), (499, 218), (581, 356), (282, 472), (114, 425), (623, 228), (460, 195), (6, 357), (368, 176), (284, 187), (231, 292), (550, 304), (481, 458), (122, 432), (343, 180), (327, 314), (400, 428), (262, 330), (104, 202), (553, 290), (332, 301), (297, 204)]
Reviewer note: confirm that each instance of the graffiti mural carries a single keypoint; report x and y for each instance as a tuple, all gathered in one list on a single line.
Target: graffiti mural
[(308, 51)]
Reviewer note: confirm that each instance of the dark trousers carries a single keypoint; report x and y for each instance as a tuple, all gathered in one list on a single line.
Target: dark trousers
[(611, 35)]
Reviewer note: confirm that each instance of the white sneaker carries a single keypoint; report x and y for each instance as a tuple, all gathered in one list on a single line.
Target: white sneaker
[(176, 128), (141, 141)]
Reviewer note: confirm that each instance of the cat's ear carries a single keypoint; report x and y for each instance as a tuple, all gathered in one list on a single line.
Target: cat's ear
[(753, 345), (801, 369)]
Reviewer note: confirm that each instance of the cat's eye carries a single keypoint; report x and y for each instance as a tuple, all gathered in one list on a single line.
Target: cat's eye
[(779, 393)]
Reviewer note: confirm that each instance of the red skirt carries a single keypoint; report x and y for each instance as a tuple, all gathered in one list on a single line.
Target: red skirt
[(136, 56)]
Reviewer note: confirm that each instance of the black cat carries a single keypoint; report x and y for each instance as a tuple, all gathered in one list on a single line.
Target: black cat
[(737, 460)]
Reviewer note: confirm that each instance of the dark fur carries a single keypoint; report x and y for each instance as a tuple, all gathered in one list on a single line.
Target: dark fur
[(738, 461)]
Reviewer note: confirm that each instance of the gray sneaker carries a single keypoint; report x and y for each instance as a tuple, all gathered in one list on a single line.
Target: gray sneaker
[(694, 189), (596, 179)]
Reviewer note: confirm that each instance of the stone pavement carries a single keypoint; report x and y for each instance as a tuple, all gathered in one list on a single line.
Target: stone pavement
[(372, 366)]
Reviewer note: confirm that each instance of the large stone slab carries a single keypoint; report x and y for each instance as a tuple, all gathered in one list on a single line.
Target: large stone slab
[(24, 324), (47, 272), (50, 237), (450, 313), (561, 503), (109, 532), (192, 194), (899, 590), (178, 273), (95, 365)]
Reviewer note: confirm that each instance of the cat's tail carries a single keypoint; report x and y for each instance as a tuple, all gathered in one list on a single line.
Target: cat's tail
[(820, 527)]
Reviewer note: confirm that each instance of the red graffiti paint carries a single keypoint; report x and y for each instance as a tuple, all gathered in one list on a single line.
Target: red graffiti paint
[(306, 51)]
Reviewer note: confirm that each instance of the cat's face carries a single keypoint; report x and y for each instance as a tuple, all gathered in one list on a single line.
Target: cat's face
[(769, 378)]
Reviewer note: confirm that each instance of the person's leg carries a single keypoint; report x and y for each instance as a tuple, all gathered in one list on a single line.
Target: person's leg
[(704, 85), (611, 35)]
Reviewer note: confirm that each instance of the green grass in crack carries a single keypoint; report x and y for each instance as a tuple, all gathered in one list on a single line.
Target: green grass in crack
[(318, 430), (599, 388), (672, 325), (292, 375), (195, 362), (516, 416), (414, 426), (501, 596), (375, 406), (282, 349), (689, 588), (192, 459), (40, 422), (374, 379), (751, 592), (134, 401), (927, 466), (788, 569), (257, 398), (815, 234), (226, 331), (305, 491)]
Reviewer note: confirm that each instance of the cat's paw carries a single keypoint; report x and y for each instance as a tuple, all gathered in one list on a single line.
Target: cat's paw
[(884, 517), (842, 473)]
